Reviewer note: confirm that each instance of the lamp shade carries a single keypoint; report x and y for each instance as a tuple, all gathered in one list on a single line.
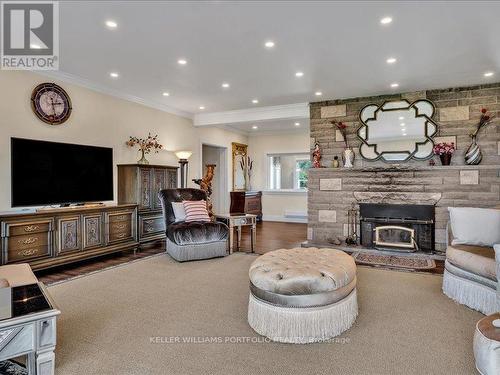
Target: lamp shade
[(183, 154)]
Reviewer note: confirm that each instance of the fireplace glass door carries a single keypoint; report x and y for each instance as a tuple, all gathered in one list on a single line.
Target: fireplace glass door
[(394, 236)]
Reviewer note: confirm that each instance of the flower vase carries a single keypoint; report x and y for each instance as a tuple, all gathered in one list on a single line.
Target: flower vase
[(348, 157), (473, 155), (445, 159), (143, 159)]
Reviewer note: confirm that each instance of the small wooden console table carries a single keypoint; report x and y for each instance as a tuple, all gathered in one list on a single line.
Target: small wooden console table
[(237, 221)]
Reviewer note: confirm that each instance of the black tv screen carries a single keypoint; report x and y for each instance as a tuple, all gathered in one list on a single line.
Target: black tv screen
[(45, 173)]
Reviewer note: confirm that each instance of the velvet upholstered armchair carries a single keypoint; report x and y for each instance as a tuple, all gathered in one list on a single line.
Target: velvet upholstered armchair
[(191, 240)]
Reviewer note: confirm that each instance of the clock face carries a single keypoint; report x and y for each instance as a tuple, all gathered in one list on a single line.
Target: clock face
[(51, 103)]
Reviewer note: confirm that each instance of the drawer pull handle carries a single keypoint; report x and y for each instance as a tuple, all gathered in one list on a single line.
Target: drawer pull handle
[(28, 252), (31, 228), (28, 241)]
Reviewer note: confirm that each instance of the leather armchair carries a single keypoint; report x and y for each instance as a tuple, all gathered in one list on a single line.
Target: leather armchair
[(194, 240)]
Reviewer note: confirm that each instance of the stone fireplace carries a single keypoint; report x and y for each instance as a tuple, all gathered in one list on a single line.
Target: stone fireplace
[(334, 191)]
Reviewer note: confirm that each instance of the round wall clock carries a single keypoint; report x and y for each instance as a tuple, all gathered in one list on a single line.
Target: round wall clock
[(51, 103)]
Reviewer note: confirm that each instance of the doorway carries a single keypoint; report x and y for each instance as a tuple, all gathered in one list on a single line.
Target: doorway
[(217, 155)]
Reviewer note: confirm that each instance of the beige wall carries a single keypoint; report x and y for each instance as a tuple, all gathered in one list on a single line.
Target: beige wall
[(274, 205), (100, 120)]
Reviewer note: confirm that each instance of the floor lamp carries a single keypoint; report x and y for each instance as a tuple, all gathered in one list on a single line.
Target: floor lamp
[(183, 157)]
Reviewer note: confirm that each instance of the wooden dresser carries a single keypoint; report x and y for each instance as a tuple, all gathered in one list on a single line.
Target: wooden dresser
[(139, 184), (59, 236), (247, 202)]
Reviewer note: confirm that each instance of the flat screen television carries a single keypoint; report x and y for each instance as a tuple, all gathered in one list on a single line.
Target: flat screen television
[(48, 173)]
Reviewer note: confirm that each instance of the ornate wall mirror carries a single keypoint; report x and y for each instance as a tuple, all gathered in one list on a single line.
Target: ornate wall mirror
[(239, 152), (397, 131)]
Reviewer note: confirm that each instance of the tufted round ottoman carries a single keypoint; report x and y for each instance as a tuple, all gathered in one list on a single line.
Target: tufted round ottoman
[(302, 295)]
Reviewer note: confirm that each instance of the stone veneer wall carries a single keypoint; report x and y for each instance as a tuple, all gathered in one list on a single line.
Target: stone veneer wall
[(333, 191)]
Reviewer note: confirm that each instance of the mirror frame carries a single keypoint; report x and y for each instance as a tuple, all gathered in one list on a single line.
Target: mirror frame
[(238, 149), (411, 155)]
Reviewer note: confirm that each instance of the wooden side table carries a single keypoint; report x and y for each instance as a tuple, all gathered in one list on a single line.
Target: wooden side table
[(487, 346), (238, 221)]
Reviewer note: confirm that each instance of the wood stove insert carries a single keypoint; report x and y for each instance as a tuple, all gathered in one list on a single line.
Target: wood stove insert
[(397, 227)]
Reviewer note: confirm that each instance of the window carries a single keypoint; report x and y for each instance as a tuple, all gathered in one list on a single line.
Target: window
[(288, 171)]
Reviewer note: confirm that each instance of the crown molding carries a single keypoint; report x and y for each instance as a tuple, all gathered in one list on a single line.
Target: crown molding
[(259, 132), (288, 111), (79, 81)]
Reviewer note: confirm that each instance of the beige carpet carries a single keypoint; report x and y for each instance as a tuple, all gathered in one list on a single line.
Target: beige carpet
[(405, 324)]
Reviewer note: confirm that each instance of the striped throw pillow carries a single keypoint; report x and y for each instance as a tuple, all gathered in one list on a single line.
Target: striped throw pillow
[(196, 211)]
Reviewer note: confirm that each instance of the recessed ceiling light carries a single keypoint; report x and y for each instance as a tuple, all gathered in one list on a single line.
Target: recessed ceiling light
[(166, 94), (488, 74), (299, 74), (297, 124), (255, 127), (404, 134), (269, 44), (401, 117), (402, 124), (111, 24), (114, 75), (391, 60), (225, 85), (318, 93), (393, 85), (202, 107), (386, 20), (182, 61), (255, 101)]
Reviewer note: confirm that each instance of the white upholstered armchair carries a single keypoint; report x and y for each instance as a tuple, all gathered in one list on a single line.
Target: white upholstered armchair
[(472, 267)]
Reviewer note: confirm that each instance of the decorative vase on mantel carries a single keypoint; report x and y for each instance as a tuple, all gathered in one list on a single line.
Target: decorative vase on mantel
[(473, 155), (445, 159), (348, 157), (143, 160)]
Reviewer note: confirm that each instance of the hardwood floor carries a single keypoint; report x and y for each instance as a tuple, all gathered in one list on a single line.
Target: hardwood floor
[(274, 235), (270, 236)]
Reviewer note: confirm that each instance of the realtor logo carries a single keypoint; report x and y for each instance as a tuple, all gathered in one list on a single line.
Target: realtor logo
[(29, 35)]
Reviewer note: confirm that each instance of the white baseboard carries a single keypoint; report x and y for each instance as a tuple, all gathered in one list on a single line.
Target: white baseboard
[(284, 219)]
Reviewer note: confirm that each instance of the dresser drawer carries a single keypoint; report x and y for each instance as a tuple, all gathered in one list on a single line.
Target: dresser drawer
[(151, 225), (26, 242), (120, 231), (119, 217), (120, 225), (120, 236), (27, 227), (28, 253)]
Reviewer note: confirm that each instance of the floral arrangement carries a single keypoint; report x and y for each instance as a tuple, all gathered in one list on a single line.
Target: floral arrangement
[(485, 119), (146, 145), (342, 129), (444, 148)]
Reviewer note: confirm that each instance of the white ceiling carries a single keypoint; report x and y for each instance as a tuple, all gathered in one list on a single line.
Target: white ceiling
[(341, 48), (270, 126)]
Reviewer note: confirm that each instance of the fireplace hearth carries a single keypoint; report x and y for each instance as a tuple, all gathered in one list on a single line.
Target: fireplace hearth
[(397, 227)]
